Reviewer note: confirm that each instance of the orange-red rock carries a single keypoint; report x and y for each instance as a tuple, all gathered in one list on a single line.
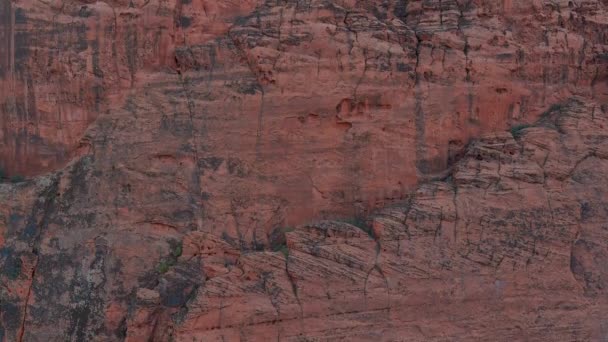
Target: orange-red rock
[(169, 145)]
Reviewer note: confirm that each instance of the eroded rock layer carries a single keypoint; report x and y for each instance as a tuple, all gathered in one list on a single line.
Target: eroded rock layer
[(175, 148), (511, 245)]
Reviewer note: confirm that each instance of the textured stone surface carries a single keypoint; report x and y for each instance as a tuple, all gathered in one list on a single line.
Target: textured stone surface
[(510, 245), (173, 146)]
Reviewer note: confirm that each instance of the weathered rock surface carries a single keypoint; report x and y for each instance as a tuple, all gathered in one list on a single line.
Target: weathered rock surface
[(170, 144), (284, 111), (511, 245)]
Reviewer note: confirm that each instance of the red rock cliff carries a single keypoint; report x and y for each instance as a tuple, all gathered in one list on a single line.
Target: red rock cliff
[(170, 146)]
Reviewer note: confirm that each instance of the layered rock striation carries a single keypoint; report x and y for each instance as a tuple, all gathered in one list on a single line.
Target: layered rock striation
[(449, 154)]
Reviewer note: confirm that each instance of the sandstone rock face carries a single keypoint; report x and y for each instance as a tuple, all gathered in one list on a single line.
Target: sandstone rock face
[(177, 152)]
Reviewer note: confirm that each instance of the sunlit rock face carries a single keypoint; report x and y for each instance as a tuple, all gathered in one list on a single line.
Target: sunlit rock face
[(303, 170)]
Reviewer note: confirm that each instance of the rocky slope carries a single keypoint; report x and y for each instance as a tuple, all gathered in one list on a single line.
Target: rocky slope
[(175, 148)]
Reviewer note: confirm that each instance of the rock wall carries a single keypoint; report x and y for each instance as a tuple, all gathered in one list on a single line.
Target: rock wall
[(174, 150), (304, 109)]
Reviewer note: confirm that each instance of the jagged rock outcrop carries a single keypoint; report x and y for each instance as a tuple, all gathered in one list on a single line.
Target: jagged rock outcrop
[(173, 146)]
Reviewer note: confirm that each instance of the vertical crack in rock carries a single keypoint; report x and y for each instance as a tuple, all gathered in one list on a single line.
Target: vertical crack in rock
[(419, 117), (470, 96), (455, 203), (194, 135), (467, 69), (271, 295), (440, 13), (260, 87), (27, 299), (350, 31), (114, 40), (406, 216), (258, 140), (131, 50), (376, 267), (6, 32), (220, 319), (37, 224), (294, 286), (439, 229), (575, 268), (365, 67)]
